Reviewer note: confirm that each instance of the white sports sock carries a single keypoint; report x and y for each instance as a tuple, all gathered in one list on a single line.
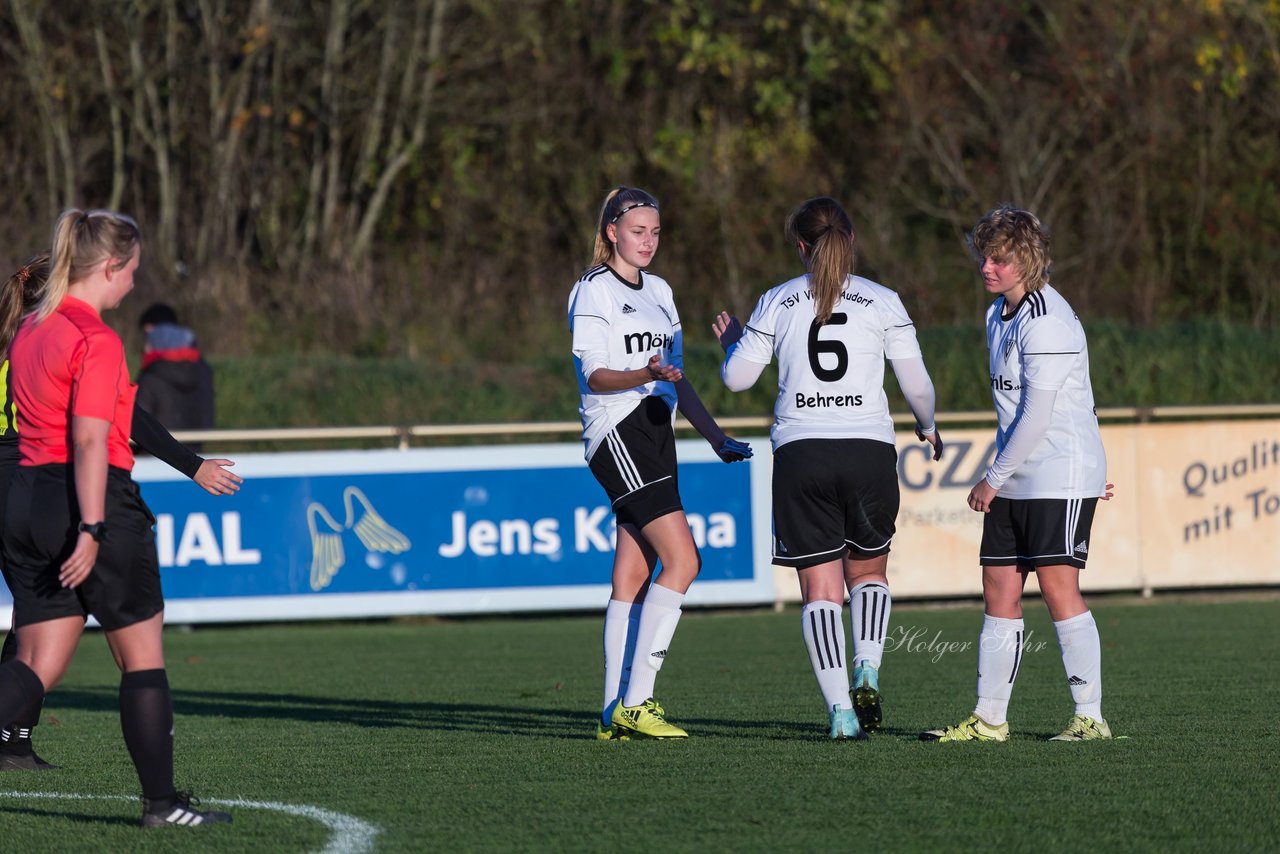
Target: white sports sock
[(824, 637), (658, 619), (999, 655), (1082, 659), (869, 606), (621, 620)]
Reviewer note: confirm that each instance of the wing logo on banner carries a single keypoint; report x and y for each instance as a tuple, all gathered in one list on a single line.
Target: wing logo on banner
[(329, 554)]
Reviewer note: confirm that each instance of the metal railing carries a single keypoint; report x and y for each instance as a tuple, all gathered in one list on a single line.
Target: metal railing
[(404, 436)]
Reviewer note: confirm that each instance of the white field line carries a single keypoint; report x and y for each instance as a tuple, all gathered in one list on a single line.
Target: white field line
[(349, 835)]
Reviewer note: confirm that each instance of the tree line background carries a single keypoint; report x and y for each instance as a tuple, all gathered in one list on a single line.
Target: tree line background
[(419, 179)]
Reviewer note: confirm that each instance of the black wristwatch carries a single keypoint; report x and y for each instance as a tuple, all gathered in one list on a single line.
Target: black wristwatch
[(98, 530)]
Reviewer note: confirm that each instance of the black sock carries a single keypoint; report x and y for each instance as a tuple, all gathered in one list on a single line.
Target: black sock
[(15, 737), (146, 718), (20, 689)]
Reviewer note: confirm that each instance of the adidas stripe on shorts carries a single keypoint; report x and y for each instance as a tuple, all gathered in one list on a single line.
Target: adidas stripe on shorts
[(636, 464), (1037, 531), (832, 497)]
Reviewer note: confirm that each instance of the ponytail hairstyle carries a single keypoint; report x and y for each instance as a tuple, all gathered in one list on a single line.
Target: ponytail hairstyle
[(81, 241), (618, 202), (825, 231), (20, 294), (1008, 233)]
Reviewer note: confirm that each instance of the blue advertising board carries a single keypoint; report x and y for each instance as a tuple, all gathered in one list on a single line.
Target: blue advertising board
[(370, 533)]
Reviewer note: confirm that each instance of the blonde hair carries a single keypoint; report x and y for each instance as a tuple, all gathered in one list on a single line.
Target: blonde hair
[(19, 294), (81, 240), (1011, 232), (827, 234), (618, 202)]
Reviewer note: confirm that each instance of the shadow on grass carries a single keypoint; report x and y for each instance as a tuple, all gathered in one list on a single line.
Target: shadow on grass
[(539, 721), (80, 818)]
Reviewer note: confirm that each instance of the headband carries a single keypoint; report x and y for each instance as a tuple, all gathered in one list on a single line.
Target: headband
[(633, 207)]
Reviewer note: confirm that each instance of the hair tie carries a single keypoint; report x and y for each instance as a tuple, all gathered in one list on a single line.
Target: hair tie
[(23, 274)]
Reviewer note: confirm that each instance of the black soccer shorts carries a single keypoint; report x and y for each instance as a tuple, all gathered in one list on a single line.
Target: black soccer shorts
[(832, 497), (1037, 532), (41, 521), (636, 465)]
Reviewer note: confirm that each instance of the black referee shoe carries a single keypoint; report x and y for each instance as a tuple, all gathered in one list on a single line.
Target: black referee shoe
[(24, 762), (180, 813)]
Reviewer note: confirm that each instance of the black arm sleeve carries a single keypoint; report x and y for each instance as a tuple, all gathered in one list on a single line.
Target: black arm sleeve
[(159, 442)]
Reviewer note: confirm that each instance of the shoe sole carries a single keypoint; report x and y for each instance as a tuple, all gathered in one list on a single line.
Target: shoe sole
[(626, 733), (937, 737), (866, 705), (24, 764), (862, 736)]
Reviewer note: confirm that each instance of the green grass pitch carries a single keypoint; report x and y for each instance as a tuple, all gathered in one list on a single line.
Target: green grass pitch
[(478, 735)]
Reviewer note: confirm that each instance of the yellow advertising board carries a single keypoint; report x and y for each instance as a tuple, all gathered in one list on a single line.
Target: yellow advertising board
[(1196, 505)]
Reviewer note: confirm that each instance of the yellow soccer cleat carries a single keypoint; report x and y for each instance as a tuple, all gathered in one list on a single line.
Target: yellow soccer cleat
[(610, 733), (972, 728), (647, 719), (1084, 728)]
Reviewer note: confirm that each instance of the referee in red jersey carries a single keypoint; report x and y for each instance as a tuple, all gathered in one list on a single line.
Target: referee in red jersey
[(78, 537)]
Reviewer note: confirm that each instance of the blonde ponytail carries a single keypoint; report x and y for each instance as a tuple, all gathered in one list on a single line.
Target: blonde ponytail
[(826, 232), (81, 240)]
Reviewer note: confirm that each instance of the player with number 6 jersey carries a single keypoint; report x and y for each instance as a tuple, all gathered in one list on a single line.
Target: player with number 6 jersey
[(835, 477)]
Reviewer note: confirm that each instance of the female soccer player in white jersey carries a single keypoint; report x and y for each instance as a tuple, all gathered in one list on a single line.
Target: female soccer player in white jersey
[(628, 353), (835, 477), (1039, 494)]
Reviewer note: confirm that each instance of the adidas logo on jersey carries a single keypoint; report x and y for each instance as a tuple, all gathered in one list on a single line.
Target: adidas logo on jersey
[(627, 309), (1082, 547), (1076, 680)]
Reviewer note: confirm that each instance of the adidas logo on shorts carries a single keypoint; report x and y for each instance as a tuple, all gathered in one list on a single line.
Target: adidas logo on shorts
[(627, 309), (1076, 680), (781, 549), (1082, 547), (660, 654)]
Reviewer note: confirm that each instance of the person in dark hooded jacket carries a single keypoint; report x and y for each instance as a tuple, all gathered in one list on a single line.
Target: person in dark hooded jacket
[(176, 383)]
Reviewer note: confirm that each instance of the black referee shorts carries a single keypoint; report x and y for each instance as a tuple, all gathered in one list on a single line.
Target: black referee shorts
[(832, 497), (636, 465), (1037, 532), (41, 519), (9, 457)]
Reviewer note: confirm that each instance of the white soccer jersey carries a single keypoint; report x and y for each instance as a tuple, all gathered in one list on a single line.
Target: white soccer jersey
[(618, 325), (830, 377), (1043, 346)]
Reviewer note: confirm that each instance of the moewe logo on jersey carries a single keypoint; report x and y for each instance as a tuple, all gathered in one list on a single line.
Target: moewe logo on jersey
[(643, 342)]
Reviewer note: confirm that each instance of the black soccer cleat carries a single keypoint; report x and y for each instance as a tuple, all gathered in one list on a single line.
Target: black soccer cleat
[(181, 813), (24, 762)]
